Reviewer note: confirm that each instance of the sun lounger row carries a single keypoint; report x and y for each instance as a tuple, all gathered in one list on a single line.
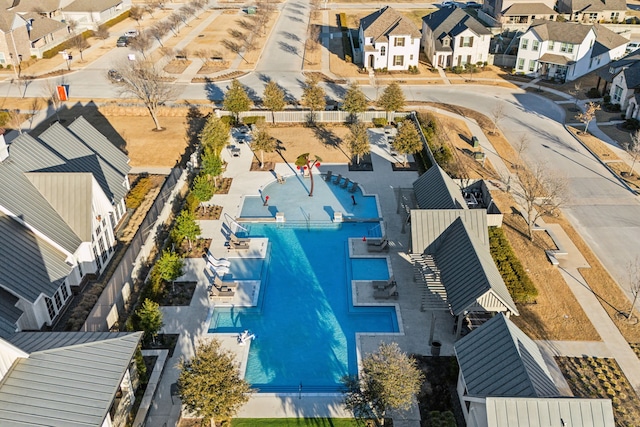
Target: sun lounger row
[(377, 245), (387, 293), (236, 242), (337, 180), (381, 285)]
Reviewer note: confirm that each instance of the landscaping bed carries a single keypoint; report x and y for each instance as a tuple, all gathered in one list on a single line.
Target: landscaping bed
[(268, 166), (591, 377), (438, 399), (224, 184), (198, 248), (208, 212), (163, 342), (178, 293)]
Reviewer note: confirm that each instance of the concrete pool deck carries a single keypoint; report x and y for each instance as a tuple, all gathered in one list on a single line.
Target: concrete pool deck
[(191, 321)]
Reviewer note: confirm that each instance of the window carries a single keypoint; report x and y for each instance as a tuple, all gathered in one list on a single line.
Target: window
[(65, 292), (524, 44), (2, 58), (399, 41), (551, 45), (103, 252), (521, 64), (410, 57), (98, 230), (532, 65), (80, 269), (50, 309), (97, 257), (58, 301), (445, 42), (615, 16), (104, 222), (566, 47), (383, 50), (617, 94), (535, 45), (398, 60), (106, 237), (466, 42)]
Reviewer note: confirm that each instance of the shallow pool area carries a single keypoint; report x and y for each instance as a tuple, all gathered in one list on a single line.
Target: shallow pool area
[(305, 321)]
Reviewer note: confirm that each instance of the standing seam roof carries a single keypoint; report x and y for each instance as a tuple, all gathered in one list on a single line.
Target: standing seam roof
[(435, 189)]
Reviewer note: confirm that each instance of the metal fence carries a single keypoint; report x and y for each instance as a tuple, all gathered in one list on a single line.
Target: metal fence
[(118, 289)]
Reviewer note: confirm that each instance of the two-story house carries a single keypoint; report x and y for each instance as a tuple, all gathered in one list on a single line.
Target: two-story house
[(519, 16), (564, 51), (622, 83), (588, 11), (25, 34), (452, 37), (497, 8), (388, 40), (62, 197)]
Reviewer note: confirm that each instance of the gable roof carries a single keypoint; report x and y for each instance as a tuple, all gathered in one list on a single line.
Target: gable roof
[(629, 60), (606, 40), (9, 313), (35, 5), (30, 342), (550, 412), (452, 21), (7, 20), (91, 5), (498, 359), (434, 189), (42, 26), (66, 386), (519, 9), (567, 32), (387, 22), (29, 265), (597, 6), (428, 227), (469, 273), (70, 194)]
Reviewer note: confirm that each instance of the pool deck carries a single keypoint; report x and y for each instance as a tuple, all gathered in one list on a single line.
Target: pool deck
[(191, 321)]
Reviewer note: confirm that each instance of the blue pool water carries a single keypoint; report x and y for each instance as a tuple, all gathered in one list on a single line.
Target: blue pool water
[(305, 322)]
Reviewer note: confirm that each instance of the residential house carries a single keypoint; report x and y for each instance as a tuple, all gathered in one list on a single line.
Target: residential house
[(62, 197), (564, 51), (450, 251), (388, 40), (504, 381), (27, 34), (452, 37), (68, 379), (589, 11), (90, 14), (496, 8), (519, 16), (47, 8), (624, 77)]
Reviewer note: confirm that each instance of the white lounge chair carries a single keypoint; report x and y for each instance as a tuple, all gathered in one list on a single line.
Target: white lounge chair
[(217, 262), (217, 271)]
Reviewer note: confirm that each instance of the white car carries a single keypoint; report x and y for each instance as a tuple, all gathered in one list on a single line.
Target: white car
[(446, 3), (632, 46), (131, 33)]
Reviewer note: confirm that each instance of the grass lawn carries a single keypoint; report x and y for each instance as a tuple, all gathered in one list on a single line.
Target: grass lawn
[(284, 422)]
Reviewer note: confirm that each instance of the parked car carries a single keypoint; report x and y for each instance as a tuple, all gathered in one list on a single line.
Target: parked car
[(632, 46), (131, 33), (114, 76), (122, 41), (474, 5), (447, 3)]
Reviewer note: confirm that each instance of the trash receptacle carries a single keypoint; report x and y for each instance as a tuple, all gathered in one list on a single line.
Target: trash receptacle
[(475, 142), (435, 348)]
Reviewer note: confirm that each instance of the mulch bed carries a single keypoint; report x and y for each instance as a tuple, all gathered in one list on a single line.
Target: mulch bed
[(438, 395), (268, 166), (163, 342), (178, 293), (364, 165), (208, 212), (198, 248), (223, 185), (592, 377), (401, 167), (176, 66)]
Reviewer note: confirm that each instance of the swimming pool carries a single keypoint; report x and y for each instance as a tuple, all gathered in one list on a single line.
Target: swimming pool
[(305, 322)]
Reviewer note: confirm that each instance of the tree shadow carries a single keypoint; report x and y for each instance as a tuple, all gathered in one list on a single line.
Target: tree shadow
[(195, 122), (290, 36), (213, 91)]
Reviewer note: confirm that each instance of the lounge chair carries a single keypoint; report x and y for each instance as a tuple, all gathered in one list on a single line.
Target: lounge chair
[(328, 176), (391, 292), (383, 284), (376, 241), (338, 179), (215, 261), (384, 245), (345, 184), (217, 271), (219, 283), (235, 245), (280, 179), (236, 239), (223, 292), (354, 188)]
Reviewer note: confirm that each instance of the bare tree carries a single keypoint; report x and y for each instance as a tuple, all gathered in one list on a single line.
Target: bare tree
[(575, 92), (34, 107), (159, 30), (521, 146), (80, 44), (50, 89), (314, 37), (141, 43), (632, 147), (15, 120), (315, 8), (150, 8), (102, 33), (184, 13), (238, 35), (174, 21), (183, 54), (633, 270), (135, 13), (167, 52), (73, 25), (188, 11), (143, 80), (198, 5), (542, 192), (588, 115), (203, 55), (234, 47), (497, 114)]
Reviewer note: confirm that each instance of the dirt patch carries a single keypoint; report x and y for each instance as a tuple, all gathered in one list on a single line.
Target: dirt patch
[(208, 212), (591, 377), (223, 185), (177, 66), (197, 249), (296, 140)]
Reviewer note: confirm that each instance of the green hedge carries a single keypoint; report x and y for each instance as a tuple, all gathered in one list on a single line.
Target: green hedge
[(520, 286), (379, 122), (137, 194), (110, 23), (48, 54), (252, 120)]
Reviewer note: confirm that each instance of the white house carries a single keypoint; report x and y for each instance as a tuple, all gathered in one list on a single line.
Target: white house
[(589, 11), (452, 37), (622, 83), (564, 51), (62, 197), (90, 14), (388, 40), (504, 381)]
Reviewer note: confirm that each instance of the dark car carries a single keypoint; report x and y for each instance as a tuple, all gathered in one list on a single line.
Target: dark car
[(123, 41), (474, 5), (114, 76)]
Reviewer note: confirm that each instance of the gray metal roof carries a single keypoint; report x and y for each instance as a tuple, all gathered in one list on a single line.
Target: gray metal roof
[(452, 21), (70, 194), (435, 189), (468, 271), (498, 359), (80, 158), (100, 145), (550, 412), (29, 265), (428, 227), (9, 313), (23, 200), (69, 386), (38, 341)]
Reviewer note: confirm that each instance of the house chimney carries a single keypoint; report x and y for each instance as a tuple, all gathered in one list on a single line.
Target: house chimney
[(4, 147)]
